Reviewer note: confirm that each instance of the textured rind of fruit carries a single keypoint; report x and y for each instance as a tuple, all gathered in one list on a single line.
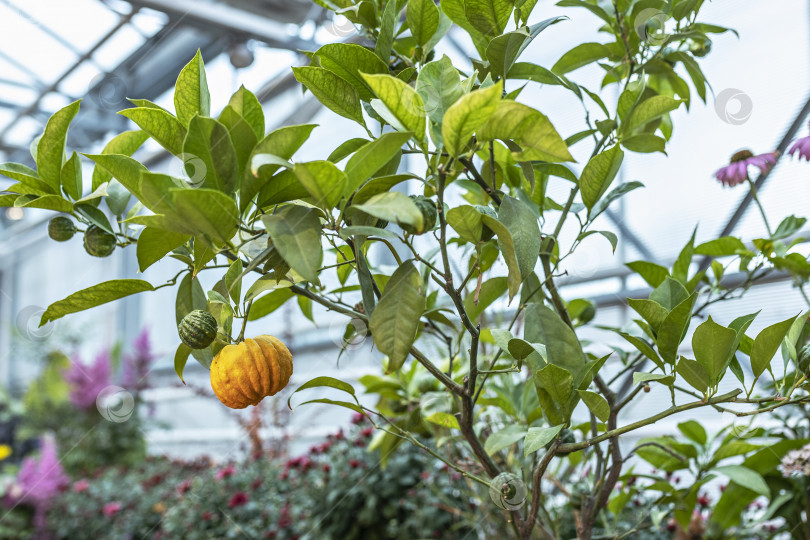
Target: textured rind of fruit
[(246, 373), (486, 233), (429, 215), (98, 242), (804, 359), (198, 329), (61, 229)]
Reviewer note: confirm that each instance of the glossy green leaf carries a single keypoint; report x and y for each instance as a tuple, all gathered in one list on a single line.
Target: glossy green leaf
[(694, 373), (402, 102), (599, 173), (722, 247), (580, 56), (712, 345), (51, 146), (244, 102), (562, 346), (531, 129), (396, 318), (596, 404), (693, 431), (745, 477), (296, 234), (180, 360), (467, 115), (372, 157), (488, 16), (96, 295), (395, 207), (503, 51), (767, 343), (538, 438), (191, 96), (649, 110), (267, 304), (164, 128), (522, 224), (332, 91), (504, 438), (154, 244), (507, 247), (423, 20), (324, 182), (439, 86), (209, 155), (349, 61)]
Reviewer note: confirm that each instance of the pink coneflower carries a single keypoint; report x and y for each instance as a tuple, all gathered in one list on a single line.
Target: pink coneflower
[(802, 147), (238, 499), (87, 382), (111, 508), (736, 172)]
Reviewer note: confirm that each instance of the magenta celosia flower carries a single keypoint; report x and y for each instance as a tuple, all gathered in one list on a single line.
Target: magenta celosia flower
[(736, 172), (225, 472), (86, 382), (137, 365), (81, 485), (111, 508), (41, 478), (802, 147)]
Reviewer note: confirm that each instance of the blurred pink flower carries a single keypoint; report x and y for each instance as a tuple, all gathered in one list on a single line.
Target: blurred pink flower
[(87, 382), (736, 172), (111, 508), (41, 478), (137, 365)]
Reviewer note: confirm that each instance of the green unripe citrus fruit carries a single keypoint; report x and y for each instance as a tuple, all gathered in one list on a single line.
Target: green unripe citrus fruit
[(61, 229), (429, 215), (198, 329), (98, 242)]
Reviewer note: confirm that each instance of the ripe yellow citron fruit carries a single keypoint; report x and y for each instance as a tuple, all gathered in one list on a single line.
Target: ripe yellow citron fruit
[(246, 373)]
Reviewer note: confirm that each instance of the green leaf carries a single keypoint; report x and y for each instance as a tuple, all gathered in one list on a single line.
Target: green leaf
[(522, 224), (654, 274), (393, 206), (644, 348), (504, 438), (242, 136), (712, 345), (599, 173), (670, 293), (324, 382), (94, 216), (563, 348), (615, 194), (154, 244), (380, 184), (423, 20), (296, 234), (180, 359), (507, 247), (532, 72), (191, 95), (538, 438), (233, 281), (439, 86), (694, 374), (47, 202), (385, 39), (283, 142), (666, 380), (127, 171), (767, 343), (372, 157), (395, 320), (71, 177), (528, 127), (558, 382), (349, 61), (323, 180), (649, 110), (672, 329), (51, 146), (652, 312), (209, 155), (332, 91), (693, 431), (27, 177), (248, 106), (488, 16), (96, 295), (204, 212), (787, 227), (503, 51), (491, 290), (596, 403), (467, 115), (164, 128), (722, 247), (402, 102), (580, 56), (745, 477), (467, 222), (269, 303)]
